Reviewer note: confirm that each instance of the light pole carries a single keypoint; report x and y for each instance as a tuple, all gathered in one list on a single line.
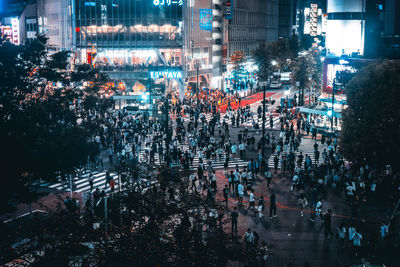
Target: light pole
[(197, 65), (333, 105), (263, 125)]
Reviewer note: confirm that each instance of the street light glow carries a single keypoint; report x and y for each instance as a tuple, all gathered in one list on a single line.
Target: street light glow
[(273, 62)]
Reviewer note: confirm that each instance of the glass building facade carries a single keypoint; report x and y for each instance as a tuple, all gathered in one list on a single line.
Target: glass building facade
[(127, 34)]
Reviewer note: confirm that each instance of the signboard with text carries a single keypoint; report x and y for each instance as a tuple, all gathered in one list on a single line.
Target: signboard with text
[(228, 10), (206, 20), (167, 2)]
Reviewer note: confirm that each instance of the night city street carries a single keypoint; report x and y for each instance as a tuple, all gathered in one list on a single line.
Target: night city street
[(200, 133)]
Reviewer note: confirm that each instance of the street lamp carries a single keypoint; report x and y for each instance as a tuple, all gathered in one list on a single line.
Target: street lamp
[(273, 62), (197, 65)]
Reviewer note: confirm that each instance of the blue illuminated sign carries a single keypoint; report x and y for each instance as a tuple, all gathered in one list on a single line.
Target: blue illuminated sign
[(167, 2), (166, 74), (206, 20)]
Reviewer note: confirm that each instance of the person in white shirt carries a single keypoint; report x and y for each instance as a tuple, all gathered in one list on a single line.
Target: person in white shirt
[(240, 192), (251, 200)]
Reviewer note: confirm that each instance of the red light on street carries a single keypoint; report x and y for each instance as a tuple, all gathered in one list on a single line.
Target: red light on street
[(77, 29)]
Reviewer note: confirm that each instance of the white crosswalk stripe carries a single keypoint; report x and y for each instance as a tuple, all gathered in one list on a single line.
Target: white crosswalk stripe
[(247, 123), (306, 147), (81, 184), (144, 156)]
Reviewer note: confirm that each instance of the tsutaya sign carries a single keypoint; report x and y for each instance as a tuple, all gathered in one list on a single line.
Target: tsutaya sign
[(166, 74)]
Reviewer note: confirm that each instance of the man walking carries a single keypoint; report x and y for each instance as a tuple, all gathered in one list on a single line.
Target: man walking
[(272, 206), (234, 219)]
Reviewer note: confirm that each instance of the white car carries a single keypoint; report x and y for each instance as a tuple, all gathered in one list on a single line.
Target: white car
[(275, 84)]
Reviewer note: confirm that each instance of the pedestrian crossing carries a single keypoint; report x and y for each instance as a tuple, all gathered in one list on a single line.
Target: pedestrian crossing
[(306, 147), (247, 123), (81, 183), (144, 156)]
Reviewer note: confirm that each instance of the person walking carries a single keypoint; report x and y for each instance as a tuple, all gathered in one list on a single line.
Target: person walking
[(234, 218), (108, 179), (302, 203), (268, 175), (341, 234), (91, 180), (249, 240), (272, 206), (327, 224), (357, 243), (240, 192), (225, 192), (318, 211), (251, 200), (260, 209)]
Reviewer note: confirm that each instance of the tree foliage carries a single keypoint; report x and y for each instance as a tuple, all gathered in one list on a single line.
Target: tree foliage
[(371, 123), (283, 51), (237, 60), (163, 224), (40, 103)]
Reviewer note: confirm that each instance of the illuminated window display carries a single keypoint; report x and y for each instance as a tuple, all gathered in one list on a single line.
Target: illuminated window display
[(112, 32)]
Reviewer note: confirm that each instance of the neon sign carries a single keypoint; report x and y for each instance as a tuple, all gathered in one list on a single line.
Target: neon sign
[(167, 2), (166, 74)]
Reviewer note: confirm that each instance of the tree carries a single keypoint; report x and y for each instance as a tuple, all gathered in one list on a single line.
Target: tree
[(47, 122), (283, 51), (371, 122), (239, 71), (304, 69), (161, 224)]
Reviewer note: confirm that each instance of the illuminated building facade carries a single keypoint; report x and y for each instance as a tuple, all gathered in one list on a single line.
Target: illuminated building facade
[(126, 38)]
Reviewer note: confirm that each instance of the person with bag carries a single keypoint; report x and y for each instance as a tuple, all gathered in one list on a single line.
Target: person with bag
[(249, 240)]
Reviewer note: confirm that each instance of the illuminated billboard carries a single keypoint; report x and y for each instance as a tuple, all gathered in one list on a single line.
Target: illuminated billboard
[(345, 37), (206, 19)]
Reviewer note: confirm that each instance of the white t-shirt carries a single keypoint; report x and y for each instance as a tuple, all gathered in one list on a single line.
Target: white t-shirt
[(251, 197)]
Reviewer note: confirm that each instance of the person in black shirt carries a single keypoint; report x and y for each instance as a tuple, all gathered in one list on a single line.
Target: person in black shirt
[(234, 219), (272, 206)]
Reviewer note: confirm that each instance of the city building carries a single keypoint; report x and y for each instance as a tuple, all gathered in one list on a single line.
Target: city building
[(357, 31), (311, 22), (286, 18), (198, 43), (250, 23), (18, 20)]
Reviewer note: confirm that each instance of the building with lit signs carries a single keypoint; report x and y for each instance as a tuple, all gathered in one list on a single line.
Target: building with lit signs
[(18, 20)]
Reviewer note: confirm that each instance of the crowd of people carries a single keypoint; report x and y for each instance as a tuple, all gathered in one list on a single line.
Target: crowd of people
[(197, 128)]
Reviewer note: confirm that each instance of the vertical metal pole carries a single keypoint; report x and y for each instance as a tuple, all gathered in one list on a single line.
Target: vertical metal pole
[(333, 103), (263, 126), (197, 83), (70, 184), (166, 106), (105, 213)]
